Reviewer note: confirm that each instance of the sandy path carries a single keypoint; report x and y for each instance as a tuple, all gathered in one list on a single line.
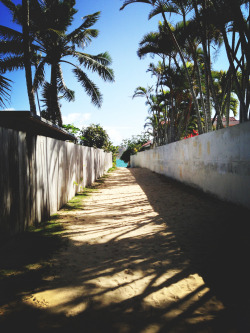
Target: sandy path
[(148, 255)]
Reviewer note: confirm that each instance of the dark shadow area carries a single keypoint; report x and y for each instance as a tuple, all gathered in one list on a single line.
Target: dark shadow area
[(213, 234), (25, 259), (192, 234)]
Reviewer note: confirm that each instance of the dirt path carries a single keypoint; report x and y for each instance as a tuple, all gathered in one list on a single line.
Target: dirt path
[(147, 255)]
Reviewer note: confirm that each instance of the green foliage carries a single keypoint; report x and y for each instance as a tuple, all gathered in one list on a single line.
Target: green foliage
[(114, 150), (187, 51), (133, 145), (94, 136), (50, 43), (72, 129)]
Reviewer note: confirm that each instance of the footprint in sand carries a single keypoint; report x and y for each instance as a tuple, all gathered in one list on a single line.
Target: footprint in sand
[(129, 271)]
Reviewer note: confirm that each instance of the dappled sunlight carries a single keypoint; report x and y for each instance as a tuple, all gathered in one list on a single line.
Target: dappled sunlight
[(128, 263), (126, 286)]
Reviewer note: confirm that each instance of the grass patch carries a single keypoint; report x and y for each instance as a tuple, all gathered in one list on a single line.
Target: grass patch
[(77, 202), (112, 169)]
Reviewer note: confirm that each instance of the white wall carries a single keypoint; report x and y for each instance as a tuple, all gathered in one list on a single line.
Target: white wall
[(217, 162)]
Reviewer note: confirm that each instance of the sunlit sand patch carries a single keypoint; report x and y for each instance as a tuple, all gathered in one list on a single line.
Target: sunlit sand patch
[(102, 291), (61, 300), (152, 328), (182, 292), (124, 253)]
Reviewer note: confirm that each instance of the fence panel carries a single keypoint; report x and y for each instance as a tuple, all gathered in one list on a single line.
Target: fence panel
[(38, 175)]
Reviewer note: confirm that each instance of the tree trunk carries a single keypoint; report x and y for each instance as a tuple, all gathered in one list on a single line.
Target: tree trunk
[(208, 66), (27, 58), (228, 101), (243, 113), (55, 107), (186, 71), (208, 124)]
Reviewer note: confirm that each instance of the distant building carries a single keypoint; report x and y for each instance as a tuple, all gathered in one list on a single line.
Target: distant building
[(147, 144), (232, 121)]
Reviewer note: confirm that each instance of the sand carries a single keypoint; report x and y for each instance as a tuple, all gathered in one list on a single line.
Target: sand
[(148, 255)]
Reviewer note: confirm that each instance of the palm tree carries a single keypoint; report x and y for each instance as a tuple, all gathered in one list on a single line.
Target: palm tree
[(224, 90), (16, 47), (27, 54), (161, 7), (231, 19), (57, 47), (176, 112), (45, 30)]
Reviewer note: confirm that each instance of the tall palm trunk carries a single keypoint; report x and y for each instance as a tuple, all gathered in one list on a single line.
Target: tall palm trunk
[(207, 117), (27, 58), (186, 71), (227, 106), (207, 64), (243, 34), (55, 107), (243, 113)]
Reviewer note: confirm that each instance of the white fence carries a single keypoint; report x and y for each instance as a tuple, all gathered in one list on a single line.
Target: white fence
[(38, 175), (217, 162)]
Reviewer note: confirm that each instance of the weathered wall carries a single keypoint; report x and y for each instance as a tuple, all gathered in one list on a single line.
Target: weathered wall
[(38, 175), (217, 162)]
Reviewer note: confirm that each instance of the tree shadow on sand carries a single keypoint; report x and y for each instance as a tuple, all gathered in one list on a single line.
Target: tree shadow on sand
[(182, 268)]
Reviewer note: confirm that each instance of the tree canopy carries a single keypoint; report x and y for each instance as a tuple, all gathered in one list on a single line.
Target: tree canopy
[(187, 88), (133, 145), (46, 41)]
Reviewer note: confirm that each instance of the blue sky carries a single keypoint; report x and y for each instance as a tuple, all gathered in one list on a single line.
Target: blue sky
[(119, 33)]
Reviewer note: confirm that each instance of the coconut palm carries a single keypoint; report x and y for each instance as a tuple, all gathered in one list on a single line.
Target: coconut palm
[(51, 44), (16, 47), (59, 46), (27, 53)]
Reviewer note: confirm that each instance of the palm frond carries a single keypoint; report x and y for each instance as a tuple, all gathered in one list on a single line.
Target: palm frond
[(97, 64), (128, 2), (148, 49), (142, 92), (47, 98), (163, 8), (83, 38), (11, 63), (68, 94), (39, 75), (90, 88), (10, 34), (4, 91), (89, 20), (10, 5), (11, 47)]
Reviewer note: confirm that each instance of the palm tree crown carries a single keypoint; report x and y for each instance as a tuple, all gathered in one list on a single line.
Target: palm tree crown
[(51, 44)]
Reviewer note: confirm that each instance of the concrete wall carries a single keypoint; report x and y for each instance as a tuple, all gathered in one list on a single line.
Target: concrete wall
[(38, 175), (217, 162)]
